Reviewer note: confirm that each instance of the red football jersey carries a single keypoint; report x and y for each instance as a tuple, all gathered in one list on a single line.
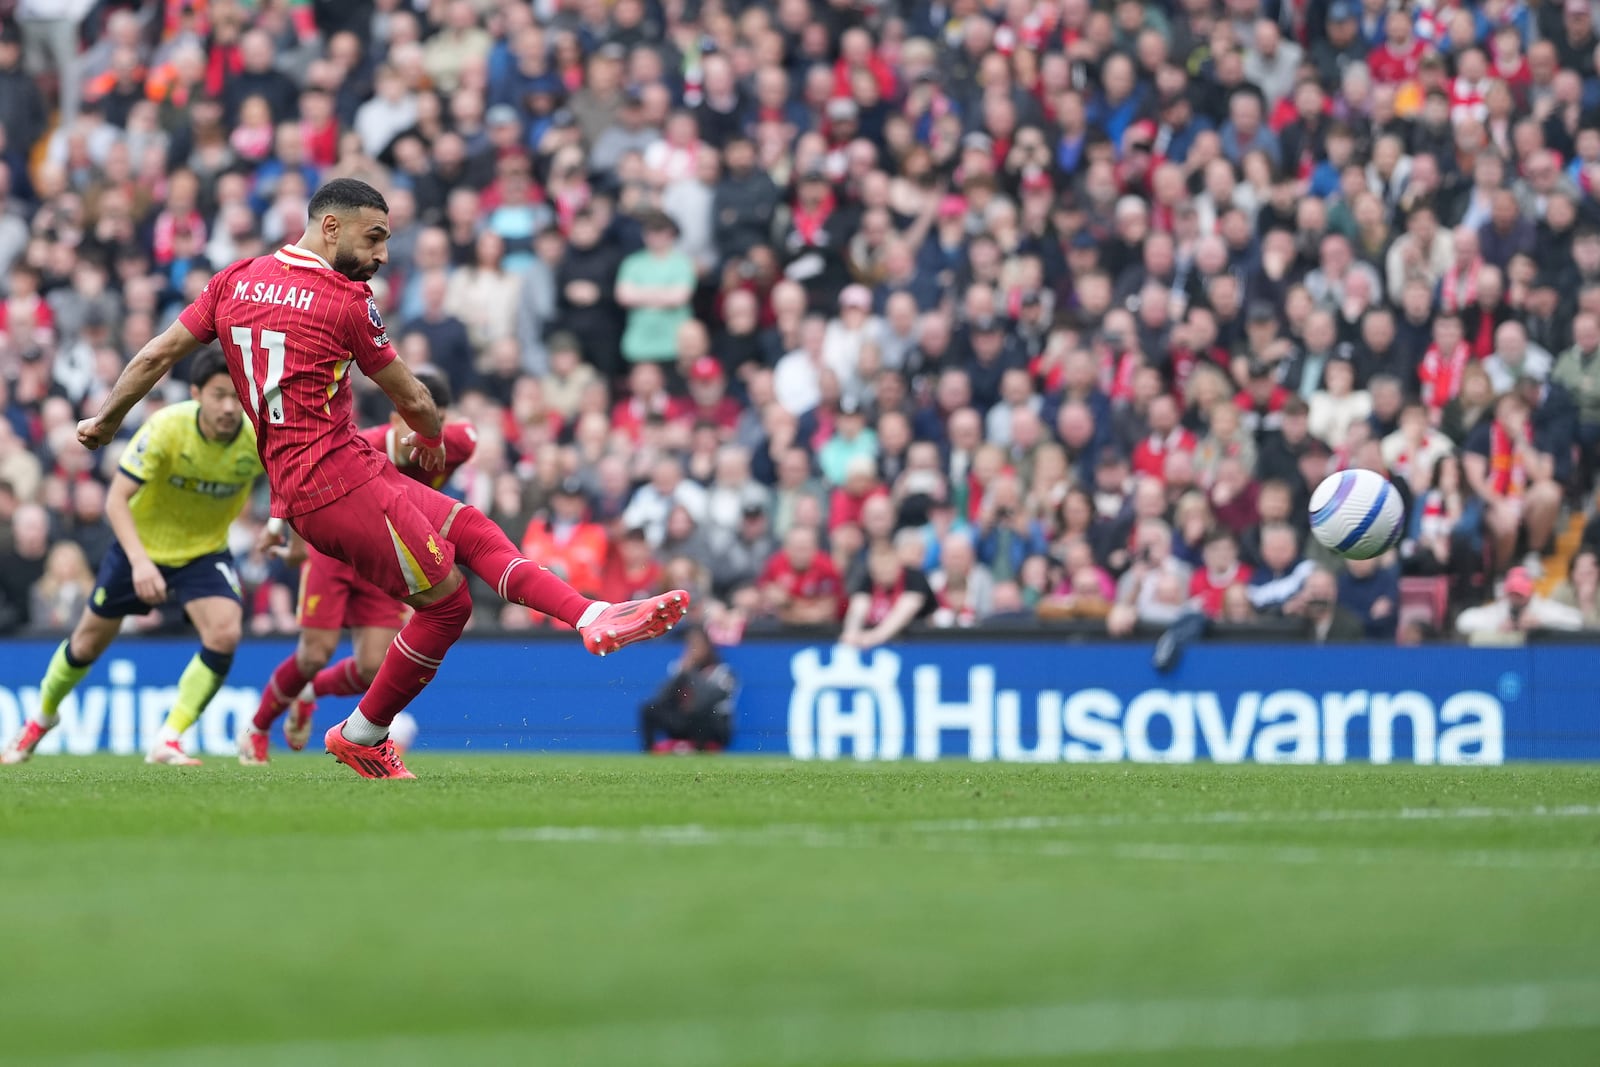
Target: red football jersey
[(819, 579), (290, 326), (460, 442)]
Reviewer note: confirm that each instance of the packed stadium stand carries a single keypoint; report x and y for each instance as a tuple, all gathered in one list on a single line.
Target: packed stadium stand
[(1052, 312)]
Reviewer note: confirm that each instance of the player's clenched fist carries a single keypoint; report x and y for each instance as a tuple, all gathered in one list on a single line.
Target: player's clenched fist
[(92, 433)]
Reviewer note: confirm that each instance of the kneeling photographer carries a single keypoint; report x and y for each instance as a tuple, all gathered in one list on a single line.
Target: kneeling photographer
[(693, 711)]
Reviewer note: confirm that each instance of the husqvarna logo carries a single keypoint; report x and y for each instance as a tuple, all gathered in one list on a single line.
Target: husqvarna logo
[(853, 705), (848, 700)]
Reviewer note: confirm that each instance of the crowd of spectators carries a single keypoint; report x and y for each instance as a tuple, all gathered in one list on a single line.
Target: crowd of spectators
[(865, 313)]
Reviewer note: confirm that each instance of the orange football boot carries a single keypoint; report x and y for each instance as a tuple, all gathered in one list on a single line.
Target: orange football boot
[(634, 620), (369, 761)]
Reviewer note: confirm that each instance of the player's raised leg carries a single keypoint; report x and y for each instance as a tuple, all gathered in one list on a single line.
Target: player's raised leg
[(219, 621), (484, 549), (71, 661)]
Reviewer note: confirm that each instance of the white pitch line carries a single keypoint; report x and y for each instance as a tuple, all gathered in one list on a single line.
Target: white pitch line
[(697, 834), (930, 1036), (1289, 855), (961, 835), (1134, 851), (1249, 818)]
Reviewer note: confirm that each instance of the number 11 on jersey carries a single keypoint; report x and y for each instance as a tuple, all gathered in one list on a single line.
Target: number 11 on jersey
[(270, 396)]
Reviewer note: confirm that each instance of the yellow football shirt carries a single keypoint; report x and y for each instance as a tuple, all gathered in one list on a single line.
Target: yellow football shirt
[(193, 488)]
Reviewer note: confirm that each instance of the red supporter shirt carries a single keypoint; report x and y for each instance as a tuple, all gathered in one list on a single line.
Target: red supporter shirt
[(290, 326), (724, 414), (843, 508), (819, 579), (1209, 588), (630, 415), (1391, 68), (460, 442), (618, 583), (1150, 455), (43, 317)]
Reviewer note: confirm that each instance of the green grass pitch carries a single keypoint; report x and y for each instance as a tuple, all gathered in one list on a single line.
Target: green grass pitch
[(726, 912)]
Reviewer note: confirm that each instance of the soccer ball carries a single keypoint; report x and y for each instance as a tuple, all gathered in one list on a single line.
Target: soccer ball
[(1357, 514), (403, 732)]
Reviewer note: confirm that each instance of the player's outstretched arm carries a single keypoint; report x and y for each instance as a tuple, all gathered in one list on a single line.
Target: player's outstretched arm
[(158, 356), (415, 405)]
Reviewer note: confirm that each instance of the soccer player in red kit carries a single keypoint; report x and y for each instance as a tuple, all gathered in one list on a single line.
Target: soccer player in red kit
[(291, 323), (333, 598)]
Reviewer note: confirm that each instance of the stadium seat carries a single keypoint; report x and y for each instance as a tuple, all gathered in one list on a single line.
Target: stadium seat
[(1425, 599)]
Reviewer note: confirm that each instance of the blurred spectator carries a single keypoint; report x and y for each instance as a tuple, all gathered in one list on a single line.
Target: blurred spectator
[(1414, 450), (566, 542), (1508, 471), (654, 285), (850, 443), (483, 295), (1220, 568), (1581, 590), (1081, 597), (1516, 357), (1578, 370), (1461, 415), (888, 597), (1327, 620), (800, 584), (739, 556), (631, 569), (653, 501), (450, 347), (1338, 405), (1227, 438), (60, 594), (1370, 590), (693, 711), (962, 587), (1518, 610), (22, 565), (1283, 571)]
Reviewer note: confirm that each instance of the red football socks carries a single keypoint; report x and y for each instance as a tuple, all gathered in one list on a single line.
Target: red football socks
[(488, 553), (287, 681), (415, 656), (343, 679)]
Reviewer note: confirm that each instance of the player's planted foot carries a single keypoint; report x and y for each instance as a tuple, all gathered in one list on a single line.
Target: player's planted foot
[(20, 750), (253, 748), (297, 724), (632, 621), (369, 761), (172, 754)]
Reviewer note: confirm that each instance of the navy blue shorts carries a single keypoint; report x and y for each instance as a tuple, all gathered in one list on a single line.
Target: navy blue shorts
[(114, 595)]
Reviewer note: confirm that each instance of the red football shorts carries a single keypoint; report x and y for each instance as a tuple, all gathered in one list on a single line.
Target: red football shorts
[(333, 596), (388, 532)]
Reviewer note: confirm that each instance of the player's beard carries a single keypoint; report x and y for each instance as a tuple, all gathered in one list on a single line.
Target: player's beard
[(223, 426), (346, 263)]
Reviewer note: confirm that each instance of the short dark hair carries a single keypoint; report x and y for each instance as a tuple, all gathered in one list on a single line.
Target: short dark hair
[(437, 385), (345, 194), (207, 365)]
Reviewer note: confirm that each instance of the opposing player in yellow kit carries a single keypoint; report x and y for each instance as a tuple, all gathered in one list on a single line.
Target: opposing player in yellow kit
[(183, 480)]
